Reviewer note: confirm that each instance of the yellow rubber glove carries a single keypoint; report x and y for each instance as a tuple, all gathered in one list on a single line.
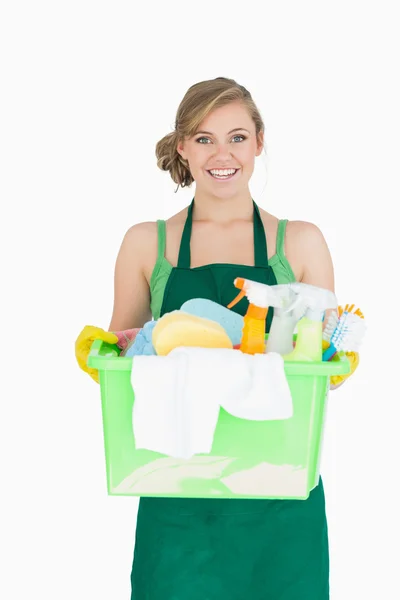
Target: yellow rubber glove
[(354, 359), (84, 342)]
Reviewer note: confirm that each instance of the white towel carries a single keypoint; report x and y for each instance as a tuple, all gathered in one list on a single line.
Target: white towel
[(267, 397), (178, 396)]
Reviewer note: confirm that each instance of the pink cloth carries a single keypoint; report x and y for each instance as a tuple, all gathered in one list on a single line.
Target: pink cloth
[(125, 337)]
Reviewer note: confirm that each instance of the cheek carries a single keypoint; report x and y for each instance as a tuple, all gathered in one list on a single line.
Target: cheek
[(199, 159), (246, 156)]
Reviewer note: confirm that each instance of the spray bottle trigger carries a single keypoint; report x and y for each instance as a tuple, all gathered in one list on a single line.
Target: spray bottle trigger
[(241, 295), (294, 304)]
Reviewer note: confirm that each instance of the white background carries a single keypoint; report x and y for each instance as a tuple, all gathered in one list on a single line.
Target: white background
[(88, 88)]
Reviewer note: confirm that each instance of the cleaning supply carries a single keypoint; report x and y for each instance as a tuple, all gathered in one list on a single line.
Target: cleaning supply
[(328, 329), (208, 309), (269, 397), (285, 319), (178, 328), (354, 360), (142, 343), (349, 308), (352, 356), (84, 342), (260, 297), (309, 328), (332, 322), (348, 333), (126, 337), (176, 406)]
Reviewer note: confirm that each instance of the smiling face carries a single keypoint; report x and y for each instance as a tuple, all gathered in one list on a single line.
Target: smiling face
[(222, 152)]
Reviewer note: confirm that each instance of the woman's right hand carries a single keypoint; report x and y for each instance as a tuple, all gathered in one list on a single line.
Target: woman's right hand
[(84, 342)]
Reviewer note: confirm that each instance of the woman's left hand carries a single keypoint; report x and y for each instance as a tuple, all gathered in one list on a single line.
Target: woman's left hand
[(337, 380)]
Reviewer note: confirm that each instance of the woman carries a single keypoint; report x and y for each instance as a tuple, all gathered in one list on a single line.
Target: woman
[(206, 549)]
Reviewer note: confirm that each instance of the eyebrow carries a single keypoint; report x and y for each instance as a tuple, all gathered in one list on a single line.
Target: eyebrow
[(232, 130)]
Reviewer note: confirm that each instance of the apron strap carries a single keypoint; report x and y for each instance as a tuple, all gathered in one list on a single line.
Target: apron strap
[(260, 240), (184, 250)]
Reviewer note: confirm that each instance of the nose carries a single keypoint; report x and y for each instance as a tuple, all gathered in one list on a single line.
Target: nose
[(222, 151)]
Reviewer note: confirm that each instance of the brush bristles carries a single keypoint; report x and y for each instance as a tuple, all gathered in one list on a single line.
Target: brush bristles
[(330, 327), (349, 332), (349, 308)]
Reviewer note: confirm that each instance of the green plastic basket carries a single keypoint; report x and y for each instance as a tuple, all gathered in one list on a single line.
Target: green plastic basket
[(249, 459)]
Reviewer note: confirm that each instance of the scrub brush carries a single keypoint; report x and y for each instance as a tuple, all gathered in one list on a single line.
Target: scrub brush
[(344, 331), (329, 328)]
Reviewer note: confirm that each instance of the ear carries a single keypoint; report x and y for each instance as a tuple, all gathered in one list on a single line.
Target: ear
[(260, 143), (181, 149)]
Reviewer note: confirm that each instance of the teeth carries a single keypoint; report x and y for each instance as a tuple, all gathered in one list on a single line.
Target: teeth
[(223, 172)]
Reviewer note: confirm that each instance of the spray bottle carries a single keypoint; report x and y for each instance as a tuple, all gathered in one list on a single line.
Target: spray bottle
[(280, 337), (309, 328), (260, 297)]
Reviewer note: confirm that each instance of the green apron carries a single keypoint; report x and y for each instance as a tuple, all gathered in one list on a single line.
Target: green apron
[(228, 549)]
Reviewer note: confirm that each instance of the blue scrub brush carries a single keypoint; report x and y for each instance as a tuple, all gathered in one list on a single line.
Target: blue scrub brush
[(330, 327), (344, 332)]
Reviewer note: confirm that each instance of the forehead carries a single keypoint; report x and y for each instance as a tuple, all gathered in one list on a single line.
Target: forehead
[(225, 118)]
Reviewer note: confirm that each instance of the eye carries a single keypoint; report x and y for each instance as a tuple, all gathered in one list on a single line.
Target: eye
[(206, 138), (201, 138)]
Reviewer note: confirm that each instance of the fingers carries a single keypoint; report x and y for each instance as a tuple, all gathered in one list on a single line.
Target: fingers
[(84, 343), (107, 336), (354, 359)]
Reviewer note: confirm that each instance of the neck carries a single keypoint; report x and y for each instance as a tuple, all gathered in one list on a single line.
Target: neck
[(222, 210)]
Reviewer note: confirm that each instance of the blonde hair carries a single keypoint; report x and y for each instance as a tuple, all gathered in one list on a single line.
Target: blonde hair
[(200, 99)]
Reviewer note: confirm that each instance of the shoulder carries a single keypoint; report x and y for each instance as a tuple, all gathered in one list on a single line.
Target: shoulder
[(144, 235), (307, 245), (304, 236), (140, 233), (140, 242), (178, 219), (147, 230), (301, 239), (139, 247)]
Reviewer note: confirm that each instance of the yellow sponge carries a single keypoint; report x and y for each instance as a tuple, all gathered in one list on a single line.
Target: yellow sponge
[(181, 329)]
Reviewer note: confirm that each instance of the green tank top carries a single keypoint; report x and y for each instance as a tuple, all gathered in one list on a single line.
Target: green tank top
[(162, 269)]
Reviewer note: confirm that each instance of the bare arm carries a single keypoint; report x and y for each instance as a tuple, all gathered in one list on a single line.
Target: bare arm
[(309, 255), (131, 289), (317, 264), (316, 261)]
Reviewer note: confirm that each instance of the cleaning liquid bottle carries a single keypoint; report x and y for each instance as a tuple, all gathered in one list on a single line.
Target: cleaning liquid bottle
[(260, 297), (309, 328), (280, 337)]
